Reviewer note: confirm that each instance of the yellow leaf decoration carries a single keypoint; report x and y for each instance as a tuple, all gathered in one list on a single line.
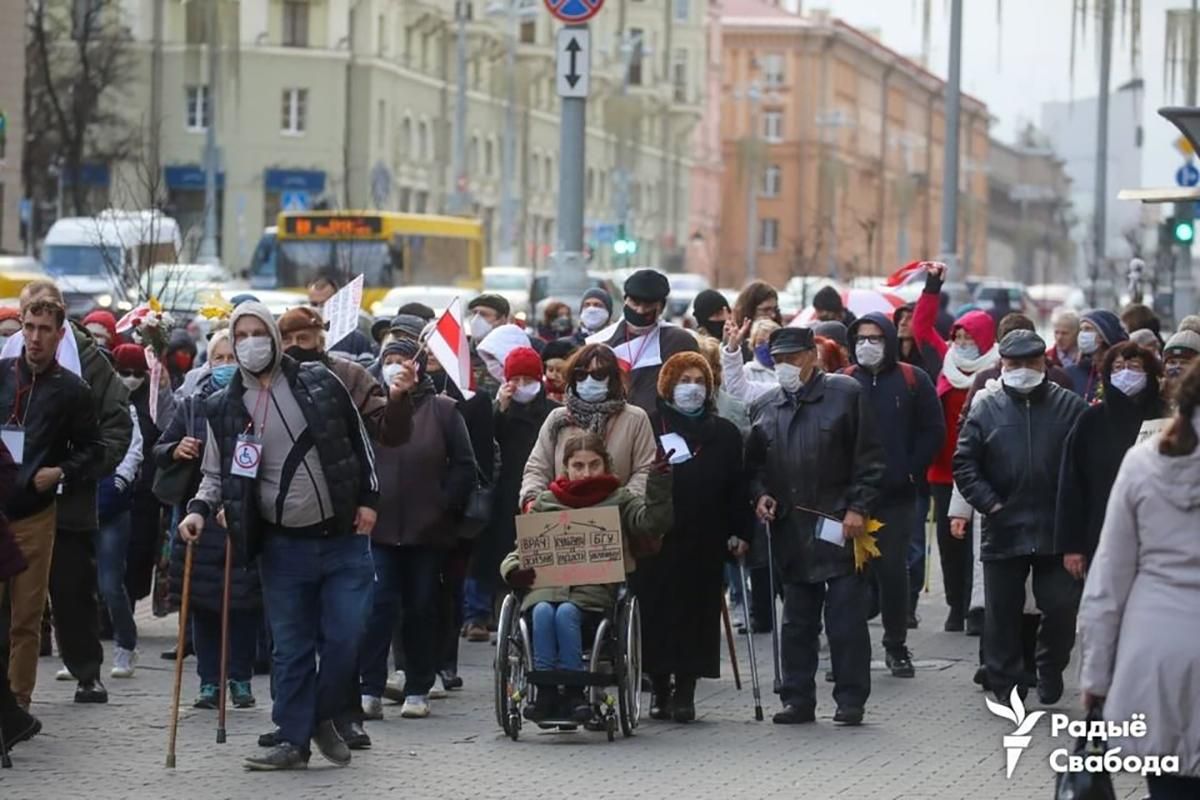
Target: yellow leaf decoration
[(865, 546), (154, 305)]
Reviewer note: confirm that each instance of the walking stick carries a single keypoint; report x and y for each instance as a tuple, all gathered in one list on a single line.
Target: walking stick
[(774, 613), (737, 677), (758, 712), (224, 641), (183, 612), (5, 758)]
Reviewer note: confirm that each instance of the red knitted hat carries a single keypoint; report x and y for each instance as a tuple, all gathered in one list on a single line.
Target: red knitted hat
[(105, 320), (129, 358), (523, 361)]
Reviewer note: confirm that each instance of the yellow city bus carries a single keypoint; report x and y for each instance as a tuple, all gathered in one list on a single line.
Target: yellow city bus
[(387, 248)]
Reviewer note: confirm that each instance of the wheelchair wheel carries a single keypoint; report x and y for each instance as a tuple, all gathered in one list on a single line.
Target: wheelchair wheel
[(508, 668), (629, 665)]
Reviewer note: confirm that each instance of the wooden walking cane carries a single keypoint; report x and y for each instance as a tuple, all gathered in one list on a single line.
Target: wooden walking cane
[(737, 677), (183, 612), (224, 640)]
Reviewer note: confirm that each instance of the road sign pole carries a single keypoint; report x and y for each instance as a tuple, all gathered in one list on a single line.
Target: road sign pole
[(567, 275)]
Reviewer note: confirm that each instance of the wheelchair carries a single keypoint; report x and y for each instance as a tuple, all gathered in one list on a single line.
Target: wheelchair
[(611, 678)]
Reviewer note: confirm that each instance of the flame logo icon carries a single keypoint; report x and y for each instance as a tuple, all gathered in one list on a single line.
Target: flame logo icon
[(1016, 742)]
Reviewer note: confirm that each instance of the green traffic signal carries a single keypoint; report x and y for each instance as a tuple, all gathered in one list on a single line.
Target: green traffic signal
[(1183, 231), (625, 247)]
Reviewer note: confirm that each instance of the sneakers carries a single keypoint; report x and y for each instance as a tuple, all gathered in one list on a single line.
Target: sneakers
[(394, 690), (372, 707), (416, 706), (476, 632), (330, 744), (124, 662), (63, 674), (91, 692), (900, 663), (240, 694), (436, 693), (209, 695), (283, 755)]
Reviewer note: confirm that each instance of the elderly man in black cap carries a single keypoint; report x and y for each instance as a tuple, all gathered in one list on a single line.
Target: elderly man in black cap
[(641, 339), (817, 468), (1007, 468)]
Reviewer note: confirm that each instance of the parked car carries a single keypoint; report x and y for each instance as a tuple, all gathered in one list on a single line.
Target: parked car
[(990, 292), (511, 283), (436, 297)]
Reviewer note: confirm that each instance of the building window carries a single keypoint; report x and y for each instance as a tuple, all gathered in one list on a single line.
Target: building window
[(768, 235), (295, 23), (196, 23), (295, 111), (528, 31), (406, 140), (382, 35), (679, 75), (381, 124), (636, 41), (772, 125), (423, 141), (489, 157), (681, 10), (197, 108), (772, 180), (771, 65)]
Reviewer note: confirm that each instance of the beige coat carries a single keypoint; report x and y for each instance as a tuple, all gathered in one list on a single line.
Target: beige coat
[(631, 444), (1139, 620)]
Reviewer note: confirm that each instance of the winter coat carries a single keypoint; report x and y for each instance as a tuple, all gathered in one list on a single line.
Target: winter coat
[(1139, 632), (425, 482), (746, 381), (208, 553), (1056, 375), (1087, 380), (629, 437), (817, 449), (477, 413), (734, 410), (643, 388), (908, 418), (647, 516), (1009, 453), (679, 589)]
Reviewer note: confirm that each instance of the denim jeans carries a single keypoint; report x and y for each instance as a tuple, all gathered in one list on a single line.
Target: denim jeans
[(916, 551), (317, 593), (112, 548), (412, 576), (557, 636), (477, 601), (206, 636)]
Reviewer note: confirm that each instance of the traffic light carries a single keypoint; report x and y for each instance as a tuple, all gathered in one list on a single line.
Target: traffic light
[(1183, 231), (624, 245)]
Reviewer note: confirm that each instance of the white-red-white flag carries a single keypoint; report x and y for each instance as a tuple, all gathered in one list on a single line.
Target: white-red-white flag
[(448, 344)]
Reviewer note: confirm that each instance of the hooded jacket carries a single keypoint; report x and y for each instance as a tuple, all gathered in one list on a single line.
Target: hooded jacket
[(495, 347), (1085, 373), (908, 420)]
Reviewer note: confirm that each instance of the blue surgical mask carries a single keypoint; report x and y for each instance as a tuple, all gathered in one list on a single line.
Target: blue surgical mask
[(592, 390), (762, 354), (222, 375)]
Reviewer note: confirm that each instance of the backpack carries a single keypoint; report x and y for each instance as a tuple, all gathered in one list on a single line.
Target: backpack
[(910, 377)]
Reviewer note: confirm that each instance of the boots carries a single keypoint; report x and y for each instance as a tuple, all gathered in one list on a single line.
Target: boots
[(660, 697), (544, 705), (683, 703), (576, 705)]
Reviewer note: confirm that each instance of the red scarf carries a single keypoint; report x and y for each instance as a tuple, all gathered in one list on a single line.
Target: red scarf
[(584, 493)]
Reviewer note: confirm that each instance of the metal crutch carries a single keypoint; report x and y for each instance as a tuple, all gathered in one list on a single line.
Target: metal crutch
[(224, 640), (774, 613), (758, 711)]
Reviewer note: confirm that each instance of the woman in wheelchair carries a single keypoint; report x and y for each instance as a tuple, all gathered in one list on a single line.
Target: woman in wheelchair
[(558, 612)]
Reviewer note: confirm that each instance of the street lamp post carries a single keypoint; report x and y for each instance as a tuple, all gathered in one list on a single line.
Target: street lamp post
[(459, 198), (208, 242), (953, 123)]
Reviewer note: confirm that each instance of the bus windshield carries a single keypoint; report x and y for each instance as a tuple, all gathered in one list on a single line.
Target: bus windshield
[(302, 260), (81, 259)]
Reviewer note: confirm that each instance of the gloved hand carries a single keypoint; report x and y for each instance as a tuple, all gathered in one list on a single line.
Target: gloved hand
[(521, 578)]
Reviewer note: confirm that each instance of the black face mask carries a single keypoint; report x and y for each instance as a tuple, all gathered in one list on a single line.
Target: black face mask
[(301, 354), (638, 319), (714, 328)]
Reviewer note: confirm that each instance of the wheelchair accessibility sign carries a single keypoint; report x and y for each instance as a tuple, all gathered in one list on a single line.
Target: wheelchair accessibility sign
[(247, 455)]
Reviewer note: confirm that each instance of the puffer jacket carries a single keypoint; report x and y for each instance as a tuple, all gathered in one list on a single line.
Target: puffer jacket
[(817, 450), (649, 516), (1008, 455)]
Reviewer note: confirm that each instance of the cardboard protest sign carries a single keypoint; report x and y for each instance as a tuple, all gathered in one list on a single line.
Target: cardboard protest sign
[(1151, 427), (341, 311), (575, 547)]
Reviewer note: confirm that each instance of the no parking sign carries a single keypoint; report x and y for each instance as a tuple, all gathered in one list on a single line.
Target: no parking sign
[(573, 12)]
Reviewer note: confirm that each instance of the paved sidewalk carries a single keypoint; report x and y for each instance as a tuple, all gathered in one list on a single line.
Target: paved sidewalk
[(930, 737)]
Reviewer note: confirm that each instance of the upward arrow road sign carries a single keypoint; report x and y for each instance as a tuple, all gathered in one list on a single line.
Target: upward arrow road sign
[(574, 62)]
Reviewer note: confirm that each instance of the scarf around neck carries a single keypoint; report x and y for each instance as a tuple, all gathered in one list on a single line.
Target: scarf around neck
[(591, 417), (960, 372), (583, 493)]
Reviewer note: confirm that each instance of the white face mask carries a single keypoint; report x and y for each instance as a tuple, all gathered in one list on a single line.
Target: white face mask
[(594, 317), (389, 372), (1022, 379), (479, 327), (133, 382), (689, 397), (966, 352), (789, 377), (254, 353), (526, 392), (869, 355), (1129, 382), (591, 390), (1089, 342)]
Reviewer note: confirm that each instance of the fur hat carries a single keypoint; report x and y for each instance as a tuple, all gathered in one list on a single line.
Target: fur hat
[(300, 318), (676, 365)]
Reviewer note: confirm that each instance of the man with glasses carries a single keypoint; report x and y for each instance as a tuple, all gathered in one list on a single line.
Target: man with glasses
[(911, 429)]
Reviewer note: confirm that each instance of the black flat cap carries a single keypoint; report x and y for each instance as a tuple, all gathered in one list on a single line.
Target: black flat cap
[(791, 340), (1022, 344), (495, 302), (832, 330), (648, 285)]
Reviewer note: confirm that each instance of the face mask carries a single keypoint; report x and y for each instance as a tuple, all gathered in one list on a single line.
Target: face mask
[(389, 373), (1089, 342), (594, 317), (1128, 382), (789, 377), (869, 355), (689, 397), (223, 374), (255, 353), (525, 393), (591, 390), (479, 327), (561, 325), (3, 341), (714, 328), (1022, 379), (762, 354), (133, 382), (183, 362), (637, 319), (303, 354), (966, 352)]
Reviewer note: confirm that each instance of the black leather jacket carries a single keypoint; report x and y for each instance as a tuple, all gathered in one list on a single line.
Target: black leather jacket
[(1009, 453), (817, 450)]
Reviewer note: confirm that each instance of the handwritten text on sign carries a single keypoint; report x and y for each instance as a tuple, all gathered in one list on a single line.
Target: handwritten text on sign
[(578, 547)]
